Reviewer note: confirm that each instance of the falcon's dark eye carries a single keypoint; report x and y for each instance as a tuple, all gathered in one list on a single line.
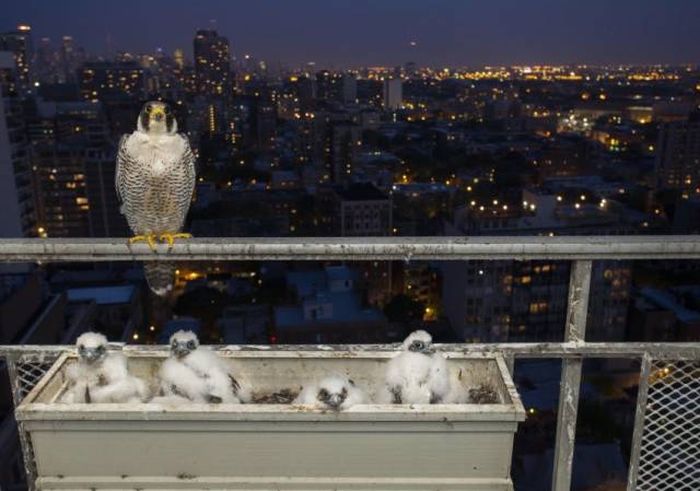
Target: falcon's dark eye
[(148, 108), (191, 345)]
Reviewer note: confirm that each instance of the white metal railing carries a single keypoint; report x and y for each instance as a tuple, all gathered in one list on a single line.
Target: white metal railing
[(662, 426)]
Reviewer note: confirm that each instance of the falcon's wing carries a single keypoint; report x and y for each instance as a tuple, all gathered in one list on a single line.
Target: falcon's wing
[(124, 159), (189, 161)]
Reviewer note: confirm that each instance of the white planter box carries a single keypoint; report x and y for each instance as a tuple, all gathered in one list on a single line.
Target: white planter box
[(377, 447)]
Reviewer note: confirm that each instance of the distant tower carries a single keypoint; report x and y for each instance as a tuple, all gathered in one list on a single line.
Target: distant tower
[(324, 82), (19, 43), (678, 155), (393, 94), (212, 61), (179, 57), (17, 218), (69, 62), (349, 87)]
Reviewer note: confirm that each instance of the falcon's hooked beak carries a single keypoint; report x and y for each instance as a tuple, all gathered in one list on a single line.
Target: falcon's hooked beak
[(182, 349), (91, 355), (157, 113), (335, 400)]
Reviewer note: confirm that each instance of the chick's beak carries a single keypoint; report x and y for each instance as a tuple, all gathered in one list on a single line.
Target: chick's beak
[(335, 401), (91, 356), (180, 350)]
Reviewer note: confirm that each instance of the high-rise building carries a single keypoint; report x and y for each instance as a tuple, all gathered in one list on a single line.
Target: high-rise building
[(266, 125), (326, 83), (527, 300), (393, 94), (17, 218), (349, 93), (343, 144), (179, 58), (111, 80), (19, 43), (678, 155), (59, 186), (69, 58), (212, 62), (44, 66)]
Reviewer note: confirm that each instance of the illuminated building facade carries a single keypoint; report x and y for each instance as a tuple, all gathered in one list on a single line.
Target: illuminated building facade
[(17, 217), (212, 61), (111, 80), (393, 94), (19, 43), (678, 155), (59, 186)]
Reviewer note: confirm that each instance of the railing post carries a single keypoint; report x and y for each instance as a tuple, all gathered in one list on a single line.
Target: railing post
[(642, 395), (576, 315), (27, 454)]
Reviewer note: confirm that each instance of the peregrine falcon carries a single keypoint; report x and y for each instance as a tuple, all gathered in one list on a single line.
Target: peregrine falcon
[(155, 180), (418, 374), (334, 392)]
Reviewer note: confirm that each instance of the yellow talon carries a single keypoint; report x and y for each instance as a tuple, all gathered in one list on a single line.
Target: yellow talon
[(170, 238), (150, 239)]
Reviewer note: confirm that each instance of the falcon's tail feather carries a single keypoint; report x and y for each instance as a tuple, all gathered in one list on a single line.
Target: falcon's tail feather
[(160, 276)]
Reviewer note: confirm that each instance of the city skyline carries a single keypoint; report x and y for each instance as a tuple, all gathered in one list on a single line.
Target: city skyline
[(327, 33)]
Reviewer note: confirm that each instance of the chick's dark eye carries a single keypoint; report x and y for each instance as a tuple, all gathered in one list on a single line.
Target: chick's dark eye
[(190, 344), (81, 348), (323, 394), (101, 348)]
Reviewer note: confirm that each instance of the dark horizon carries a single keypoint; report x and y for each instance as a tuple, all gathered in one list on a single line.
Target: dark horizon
[(362, 33)]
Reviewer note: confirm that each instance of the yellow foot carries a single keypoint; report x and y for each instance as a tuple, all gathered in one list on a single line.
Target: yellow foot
[(150, 239), (170, 238)]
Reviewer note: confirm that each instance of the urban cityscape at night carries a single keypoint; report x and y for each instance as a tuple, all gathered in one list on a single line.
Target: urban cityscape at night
[(402, 135)]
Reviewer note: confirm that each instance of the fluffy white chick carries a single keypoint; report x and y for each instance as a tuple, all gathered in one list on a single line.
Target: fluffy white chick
[(335, 392), (418, 375), (101, 377), (198, 374)]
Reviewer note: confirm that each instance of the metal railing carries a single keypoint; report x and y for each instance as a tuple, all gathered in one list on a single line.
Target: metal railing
[(665, 451)]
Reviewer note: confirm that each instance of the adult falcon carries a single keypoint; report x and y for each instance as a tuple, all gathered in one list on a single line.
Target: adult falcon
[(155, 180)]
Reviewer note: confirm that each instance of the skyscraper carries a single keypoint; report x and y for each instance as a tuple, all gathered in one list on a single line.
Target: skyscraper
[(17, 218), (212, 61), (393, 94), (19, 43), (349, 93), (678, 155)]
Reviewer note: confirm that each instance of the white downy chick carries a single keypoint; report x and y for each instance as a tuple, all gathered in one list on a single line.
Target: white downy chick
[(418, 375), (198, 374), (335, 392), (101, 377)]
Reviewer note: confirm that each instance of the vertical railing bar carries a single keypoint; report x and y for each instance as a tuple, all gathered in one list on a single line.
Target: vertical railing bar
[(510, 363), (639, 415), (27, 454), (576, 316)]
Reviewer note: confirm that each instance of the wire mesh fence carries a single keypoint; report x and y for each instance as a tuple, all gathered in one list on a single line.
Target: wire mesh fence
[(670, 446)]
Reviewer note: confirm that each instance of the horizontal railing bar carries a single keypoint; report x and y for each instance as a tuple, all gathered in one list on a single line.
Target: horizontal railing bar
[(676, 351), (357, 248)]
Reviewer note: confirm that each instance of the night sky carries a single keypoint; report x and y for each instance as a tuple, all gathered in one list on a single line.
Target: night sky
[(337, 33)]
